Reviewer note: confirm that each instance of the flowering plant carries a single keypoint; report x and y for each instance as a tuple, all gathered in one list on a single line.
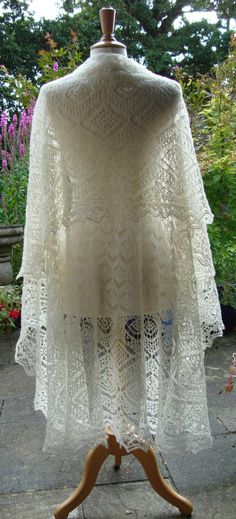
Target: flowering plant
[(9, 308), (14, 153), (232, 374), (15, 134)]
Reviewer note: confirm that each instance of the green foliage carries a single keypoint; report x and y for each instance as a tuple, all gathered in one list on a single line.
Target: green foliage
[(212, 103), (14, 189), (151, 37), (57, 62), (20, 38), (201, 45), (15, 134), (16, 260), (20, 91), (53, 62), (150, 32), (14, 151), (147, 28), (219, 166)]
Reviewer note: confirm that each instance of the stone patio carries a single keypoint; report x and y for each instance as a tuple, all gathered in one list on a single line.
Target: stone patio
[(32, 483)]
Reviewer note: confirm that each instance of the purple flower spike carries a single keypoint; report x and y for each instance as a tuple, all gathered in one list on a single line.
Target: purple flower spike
[(29, 120), (21, 149), (14, 118), (4, 164), (11, 130), (23, 119), (55, 66), (31, 107), (3, 120)]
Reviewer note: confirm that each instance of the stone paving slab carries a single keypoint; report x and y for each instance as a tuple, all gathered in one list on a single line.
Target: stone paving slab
[(143, 503), (20, 409), (131, 470), (222, 406), (225, 414), (207, 469), (25, 467), (15, 383), (123, 501), (216, 425), (33, 482), (128, 501), (23, 464), (34, 505)]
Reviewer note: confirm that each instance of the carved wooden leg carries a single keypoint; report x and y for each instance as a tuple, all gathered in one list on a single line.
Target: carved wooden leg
[(118, 459), (149, 463), (94, 461)]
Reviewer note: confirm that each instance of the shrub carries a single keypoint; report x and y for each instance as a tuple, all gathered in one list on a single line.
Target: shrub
[(211, 102)]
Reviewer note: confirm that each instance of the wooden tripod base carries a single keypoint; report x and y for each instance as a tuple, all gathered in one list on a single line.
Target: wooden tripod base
[(94, 461)]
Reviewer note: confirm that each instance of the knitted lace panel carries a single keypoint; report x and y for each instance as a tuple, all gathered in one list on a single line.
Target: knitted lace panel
[(119, 298)]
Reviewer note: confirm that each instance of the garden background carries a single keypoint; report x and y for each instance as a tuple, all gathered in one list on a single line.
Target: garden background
[(201, 55)]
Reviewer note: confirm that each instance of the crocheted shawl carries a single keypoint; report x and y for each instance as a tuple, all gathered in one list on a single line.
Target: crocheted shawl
[(119, 298)]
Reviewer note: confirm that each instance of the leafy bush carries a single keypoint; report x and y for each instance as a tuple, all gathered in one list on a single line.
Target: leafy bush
[(15, 132), (14, 150), (14, 147), (211, 102)]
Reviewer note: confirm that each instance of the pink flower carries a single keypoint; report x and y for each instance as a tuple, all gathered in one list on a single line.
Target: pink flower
[(31, 107), (4, 121), (29, 119), (4, 164), (21, 149), (11, 130), (23, 120), (55, 66), (14, 118), (4, 154), (19, 135)]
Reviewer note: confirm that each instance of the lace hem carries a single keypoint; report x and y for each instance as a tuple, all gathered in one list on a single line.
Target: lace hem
[(141, 376)]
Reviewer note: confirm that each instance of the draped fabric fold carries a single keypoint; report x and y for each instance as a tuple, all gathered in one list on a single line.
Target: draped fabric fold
[(119, 298)]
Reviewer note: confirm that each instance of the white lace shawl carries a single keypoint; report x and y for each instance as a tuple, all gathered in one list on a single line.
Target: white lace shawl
[(119, 298)]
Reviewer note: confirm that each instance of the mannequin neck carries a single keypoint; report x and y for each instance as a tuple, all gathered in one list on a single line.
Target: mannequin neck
[(108, 50)]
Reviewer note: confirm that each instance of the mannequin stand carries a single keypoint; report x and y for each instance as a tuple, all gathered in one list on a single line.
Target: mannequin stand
[(94, 461)]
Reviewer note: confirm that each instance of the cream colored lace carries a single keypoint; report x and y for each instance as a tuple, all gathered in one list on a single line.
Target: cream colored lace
[(119, 298)]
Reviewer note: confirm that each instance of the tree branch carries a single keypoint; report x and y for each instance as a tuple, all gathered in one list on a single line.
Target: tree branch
[(175, 11), (143, 14), (157, 20)]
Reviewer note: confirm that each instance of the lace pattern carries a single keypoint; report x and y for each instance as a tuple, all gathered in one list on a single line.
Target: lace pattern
[(119, 298)]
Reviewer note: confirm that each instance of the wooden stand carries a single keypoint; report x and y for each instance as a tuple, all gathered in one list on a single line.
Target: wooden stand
[(94, 461)]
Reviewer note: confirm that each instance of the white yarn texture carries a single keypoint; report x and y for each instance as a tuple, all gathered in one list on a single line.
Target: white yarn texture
[(119, 298)]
